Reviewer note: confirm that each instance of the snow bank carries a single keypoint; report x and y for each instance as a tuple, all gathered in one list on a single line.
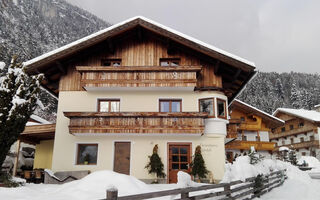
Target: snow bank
[(312, 161), (184, 180)]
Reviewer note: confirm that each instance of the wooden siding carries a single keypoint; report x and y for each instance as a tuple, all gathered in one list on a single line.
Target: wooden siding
[(136, 122), (246, 145), (302, 145), (136, 53)]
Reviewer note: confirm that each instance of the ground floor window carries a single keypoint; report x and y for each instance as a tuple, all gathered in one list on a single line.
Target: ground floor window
[(87, 154)]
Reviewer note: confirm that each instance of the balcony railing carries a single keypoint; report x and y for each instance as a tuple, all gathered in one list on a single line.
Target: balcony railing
[(292, 132), (246, 145), (307, 144), (138, 76), (136, 122)]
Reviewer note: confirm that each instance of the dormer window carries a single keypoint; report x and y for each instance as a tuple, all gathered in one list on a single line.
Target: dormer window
[(111, 62), (169, 62)]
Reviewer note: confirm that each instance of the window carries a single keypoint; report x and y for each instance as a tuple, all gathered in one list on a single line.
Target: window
[(111, 62), (166, 62), (244, 138), (242, 119), (87, 154), (283, 142), (301, 124), (273, 130), (170, 105), (206, 105), (258, 138), (108, 105), (291, 127), (221, 108), (302, 139), (292, 140), (283, 129), (311, 138)]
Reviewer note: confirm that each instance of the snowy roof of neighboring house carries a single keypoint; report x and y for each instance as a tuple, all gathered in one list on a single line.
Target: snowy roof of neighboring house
[(138, 20), (316, 106), (250, 109), (38, 120), (310, 115)]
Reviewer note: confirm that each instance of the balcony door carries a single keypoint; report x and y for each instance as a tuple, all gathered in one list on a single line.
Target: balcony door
[(121, 163), (179, 159)]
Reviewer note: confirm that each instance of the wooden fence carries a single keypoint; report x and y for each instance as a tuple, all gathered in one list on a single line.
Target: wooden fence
[(223, 191)]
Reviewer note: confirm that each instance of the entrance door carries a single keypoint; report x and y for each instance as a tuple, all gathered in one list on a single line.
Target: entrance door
[(179, 159), (121, 163)]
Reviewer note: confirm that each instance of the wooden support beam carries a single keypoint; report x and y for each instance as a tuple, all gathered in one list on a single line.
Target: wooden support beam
[(16, 160)]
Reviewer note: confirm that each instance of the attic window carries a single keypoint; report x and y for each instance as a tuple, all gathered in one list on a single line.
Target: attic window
[(111, 62), (169, 62), (301, 124)]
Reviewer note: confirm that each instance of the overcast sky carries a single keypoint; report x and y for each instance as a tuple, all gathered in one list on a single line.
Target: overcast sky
[(277, 35)]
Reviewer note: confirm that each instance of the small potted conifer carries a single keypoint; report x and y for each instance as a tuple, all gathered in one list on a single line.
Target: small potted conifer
[(155, 165), (199, 169)]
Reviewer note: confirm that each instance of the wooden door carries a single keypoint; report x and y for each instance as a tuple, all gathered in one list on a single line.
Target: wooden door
[(179, 159), (121, 163)]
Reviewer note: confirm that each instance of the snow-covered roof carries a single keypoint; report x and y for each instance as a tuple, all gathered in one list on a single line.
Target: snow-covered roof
[(310, 115), (38, 119), (317, 106), (257, 110), (96, 36)]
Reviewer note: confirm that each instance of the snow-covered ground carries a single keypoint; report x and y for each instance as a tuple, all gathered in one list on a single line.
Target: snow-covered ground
[(298, 185)]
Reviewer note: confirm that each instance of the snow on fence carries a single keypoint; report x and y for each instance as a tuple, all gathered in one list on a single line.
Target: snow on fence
[(223, 191)]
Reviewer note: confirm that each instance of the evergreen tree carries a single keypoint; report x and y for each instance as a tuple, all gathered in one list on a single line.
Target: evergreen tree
[(198, 165), (293, 157), (18, 99), (155, 165), (254, 156)]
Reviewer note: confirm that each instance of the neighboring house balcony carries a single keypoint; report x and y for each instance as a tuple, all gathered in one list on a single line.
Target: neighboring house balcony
[(292, 132), (36, 133), (301, 145), (87, 123), (126, 77), (246, 145)]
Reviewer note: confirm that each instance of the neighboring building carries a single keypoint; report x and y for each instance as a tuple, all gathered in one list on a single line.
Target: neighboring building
[(136, 84), (249, 126), (300, 132)]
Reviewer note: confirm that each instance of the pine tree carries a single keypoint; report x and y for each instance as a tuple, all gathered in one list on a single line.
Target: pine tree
[(293, 157), (198, 165), (155, 165), (254, 156), (18, 99)]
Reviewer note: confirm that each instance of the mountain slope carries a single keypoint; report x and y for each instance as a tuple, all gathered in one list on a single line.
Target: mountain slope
[(268, 91), (29, 28)]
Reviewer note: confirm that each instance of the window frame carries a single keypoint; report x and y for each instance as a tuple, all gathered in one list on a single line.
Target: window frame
[(107, 100), (225, 108), (170, 60), (213, 106), (112, 61), (170, 103), (78, 153)]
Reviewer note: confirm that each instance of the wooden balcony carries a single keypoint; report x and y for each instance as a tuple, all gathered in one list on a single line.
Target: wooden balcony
[(292, 132), (141, 76), (246, 145), (136, 122), (301, 145)]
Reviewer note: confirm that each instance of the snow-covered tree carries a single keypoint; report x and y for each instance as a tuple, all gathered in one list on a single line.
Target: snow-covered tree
[(254, 156), (293, 157), (18, 99)]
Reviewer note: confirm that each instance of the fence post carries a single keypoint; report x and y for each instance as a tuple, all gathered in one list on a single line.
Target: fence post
[(184, 194), (227, 189), (112, 194)]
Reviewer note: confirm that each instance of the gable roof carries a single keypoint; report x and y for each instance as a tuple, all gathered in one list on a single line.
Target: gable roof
[(310, 115), (146, 23), (236, 103)]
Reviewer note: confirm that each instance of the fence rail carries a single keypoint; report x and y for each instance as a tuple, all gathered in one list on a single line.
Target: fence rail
[(227, 191)]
